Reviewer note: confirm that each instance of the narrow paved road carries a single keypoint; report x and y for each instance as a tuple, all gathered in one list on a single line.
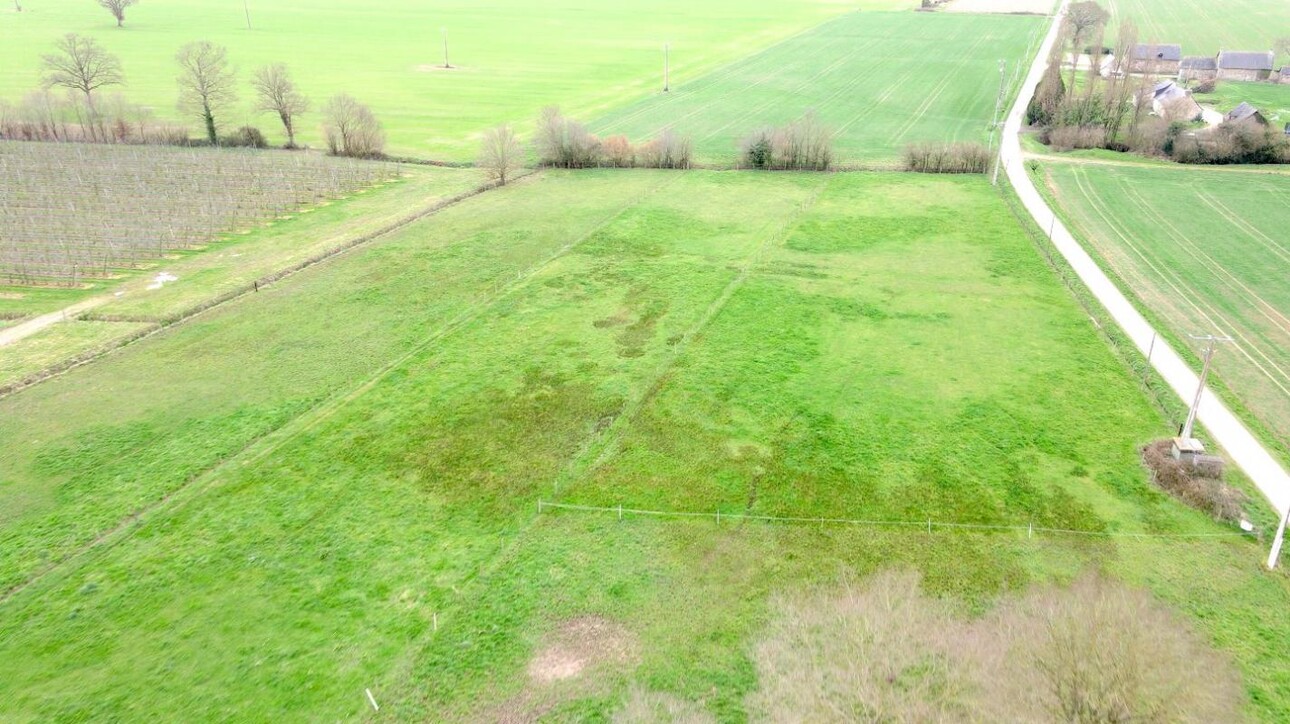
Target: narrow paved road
[(1243, 448)]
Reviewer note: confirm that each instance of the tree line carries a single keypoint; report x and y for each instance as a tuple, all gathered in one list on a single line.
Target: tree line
[(207, 85)]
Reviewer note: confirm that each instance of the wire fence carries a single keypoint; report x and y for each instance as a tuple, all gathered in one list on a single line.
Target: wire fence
[(929, 525)]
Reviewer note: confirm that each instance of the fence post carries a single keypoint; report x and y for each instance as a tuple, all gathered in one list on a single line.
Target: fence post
[(1030, 531), (929, 525), (620, 511), (539, 505)]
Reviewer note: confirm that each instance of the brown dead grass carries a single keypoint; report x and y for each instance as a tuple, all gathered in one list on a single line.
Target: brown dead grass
[(1200, 486), (1097, 651)]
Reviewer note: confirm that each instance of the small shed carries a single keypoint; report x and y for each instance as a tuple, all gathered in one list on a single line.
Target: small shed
[(1245, 65), (1198, 67), (1155, 58), (1245, 113)]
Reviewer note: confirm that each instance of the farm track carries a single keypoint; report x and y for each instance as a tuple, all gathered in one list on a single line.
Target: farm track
[(1227, 430), (261, 446)]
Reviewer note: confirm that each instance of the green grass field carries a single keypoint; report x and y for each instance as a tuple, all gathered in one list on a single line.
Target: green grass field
[(264, 511), (1204, 28), (514, 57), (890, 79), (1204, 251)]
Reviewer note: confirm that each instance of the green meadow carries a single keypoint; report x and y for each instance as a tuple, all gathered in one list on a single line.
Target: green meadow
[(1204, 28), (331, 486), (1205, 252), (511, 57), (891, 79)]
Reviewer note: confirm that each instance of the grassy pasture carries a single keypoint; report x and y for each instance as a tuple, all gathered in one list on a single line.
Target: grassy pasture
[(358, 449), (879, 80), (1205, 251), (513, 56), (52, 345), (1203, 27)]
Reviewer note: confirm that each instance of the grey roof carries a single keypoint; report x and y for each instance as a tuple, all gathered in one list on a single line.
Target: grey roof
[(1245, 60), (1167, 92), (1242, 112), (1200, 62), (1161, 51)]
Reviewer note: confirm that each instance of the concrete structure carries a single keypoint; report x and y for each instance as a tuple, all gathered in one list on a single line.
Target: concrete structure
[(1155, 59), (1198, 68), (1245, 65)]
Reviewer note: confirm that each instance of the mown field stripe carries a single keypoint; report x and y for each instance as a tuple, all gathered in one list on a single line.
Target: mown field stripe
[(260, 447)]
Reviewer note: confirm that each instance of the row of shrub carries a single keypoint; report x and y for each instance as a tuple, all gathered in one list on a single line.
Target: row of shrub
[(1229, 143), (565, 143), (947, 158), (802, 145)]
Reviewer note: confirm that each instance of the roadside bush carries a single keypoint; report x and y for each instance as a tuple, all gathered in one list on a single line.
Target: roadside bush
[(758, 149), (245, 137), (1200, 486), (1205, 86), (668, 149), (880, 650), (564, 142), (351, 129), (804, 144), (1066, 138), (618, 152), (947, 158)]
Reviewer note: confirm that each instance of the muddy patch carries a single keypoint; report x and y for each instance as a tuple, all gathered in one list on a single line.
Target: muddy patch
[(581, 644)]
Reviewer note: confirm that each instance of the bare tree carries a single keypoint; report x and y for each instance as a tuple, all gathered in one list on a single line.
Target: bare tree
[(276, 93), (117, 8), (500, 154), (1084, 20), (351, 129), (80, 65), (206, 83)]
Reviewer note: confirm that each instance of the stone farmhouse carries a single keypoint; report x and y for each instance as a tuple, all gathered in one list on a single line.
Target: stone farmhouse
[(1172, 102), (1245, 65), (1246, 113), (1198, 68), (1156, 59)]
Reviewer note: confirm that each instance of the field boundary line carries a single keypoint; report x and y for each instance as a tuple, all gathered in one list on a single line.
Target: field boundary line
[(257, 448), (175, 318), (929, 524)]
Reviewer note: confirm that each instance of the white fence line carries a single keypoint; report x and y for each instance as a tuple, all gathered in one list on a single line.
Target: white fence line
[(928, 524)]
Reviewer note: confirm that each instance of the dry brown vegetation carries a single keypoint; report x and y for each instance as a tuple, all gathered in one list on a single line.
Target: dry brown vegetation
[(351, 129), (947, 158), (1201, 486), (566, 143), (1097, 651), (802, 145)]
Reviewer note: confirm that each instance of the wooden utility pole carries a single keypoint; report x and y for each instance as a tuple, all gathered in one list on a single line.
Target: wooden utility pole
[(666, 69), (1200, 388), (246, 8), (444, 33)]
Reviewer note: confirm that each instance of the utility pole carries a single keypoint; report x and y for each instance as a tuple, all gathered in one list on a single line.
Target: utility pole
[(246, 8), (443, 32), (1276, 542), (1204, 374), (666, 85)]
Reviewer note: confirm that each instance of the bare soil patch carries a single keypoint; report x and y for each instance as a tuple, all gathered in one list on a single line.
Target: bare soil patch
[(580, 644), (432, 68)]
